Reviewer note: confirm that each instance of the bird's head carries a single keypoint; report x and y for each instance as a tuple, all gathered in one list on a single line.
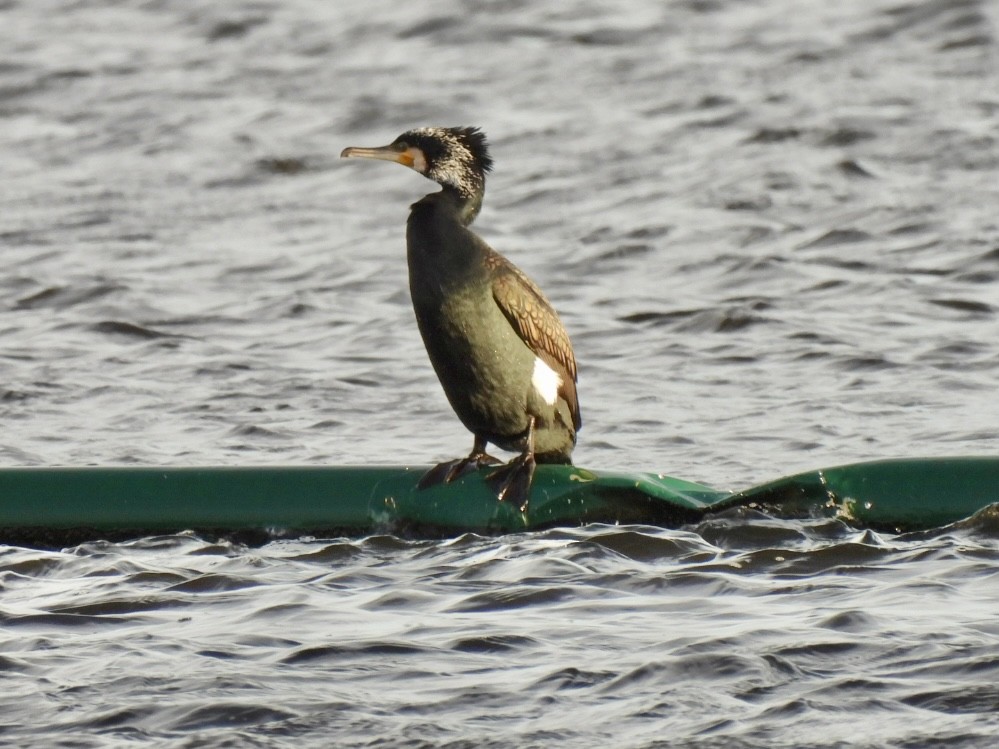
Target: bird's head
[(456, 158)]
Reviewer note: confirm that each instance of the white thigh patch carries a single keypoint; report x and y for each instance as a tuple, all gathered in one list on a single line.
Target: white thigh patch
[(546, 381)]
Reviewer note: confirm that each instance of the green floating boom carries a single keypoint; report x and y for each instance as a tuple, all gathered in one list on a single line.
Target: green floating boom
[(55, 506), (911, 494)]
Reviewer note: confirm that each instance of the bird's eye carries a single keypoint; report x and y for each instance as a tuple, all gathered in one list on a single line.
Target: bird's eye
[(401, 145)]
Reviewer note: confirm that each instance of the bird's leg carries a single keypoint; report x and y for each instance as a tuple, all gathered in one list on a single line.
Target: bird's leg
[(513, 481), (450, 470)]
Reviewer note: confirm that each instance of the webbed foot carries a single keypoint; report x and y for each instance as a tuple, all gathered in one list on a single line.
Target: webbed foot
[(512, 482), (448, 471)]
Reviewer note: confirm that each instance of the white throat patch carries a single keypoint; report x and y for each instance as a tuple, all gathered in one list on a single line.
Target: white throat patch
[(546, 381)]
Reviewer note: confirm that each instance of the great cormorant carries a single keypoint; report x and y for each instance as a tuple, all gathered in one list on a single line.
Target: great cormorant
[(497, 345)]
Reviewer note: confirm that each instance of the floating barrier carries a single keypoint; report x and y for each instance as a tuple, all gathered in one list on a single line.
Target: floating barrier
[(60, 506)]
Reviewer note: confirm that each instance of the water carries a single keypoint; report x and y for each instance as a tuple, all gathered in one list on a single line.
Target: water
[(740, 632), (771, 230)]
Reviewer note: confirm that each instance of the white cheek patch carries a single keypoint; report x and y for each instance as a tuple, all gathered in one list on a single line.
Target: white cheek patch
[(546, 381), (419, 160)]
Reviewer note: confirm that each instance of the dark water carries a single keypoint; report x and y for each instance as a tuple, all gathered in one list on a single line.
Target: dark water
[(772, 229)]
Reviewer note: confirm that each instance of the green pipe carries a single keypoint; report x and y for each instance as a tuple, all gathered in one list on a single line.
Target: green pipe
[(900, 494), (50, 506)]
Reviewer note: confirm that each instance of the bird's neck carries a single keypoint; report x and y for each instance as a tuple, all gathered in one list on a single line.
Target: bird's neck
[(465, 203), (448, 206), (441, 249)]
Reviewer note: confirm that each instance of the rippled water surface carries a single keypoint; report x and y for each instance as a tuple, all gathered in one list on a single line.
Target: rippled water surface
[(772, 229)]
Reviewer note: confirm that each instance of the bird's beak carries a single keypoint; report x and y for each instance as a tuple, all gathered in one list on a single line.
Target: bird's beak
[(385, 153)]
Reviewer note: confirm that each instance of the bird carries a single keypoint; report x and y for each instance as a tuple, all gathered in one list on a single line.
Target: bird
[(498, 347)]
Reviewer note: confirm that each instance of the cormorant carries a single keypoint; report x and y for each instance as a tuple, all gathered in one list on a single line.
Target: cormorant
[(497, 345)]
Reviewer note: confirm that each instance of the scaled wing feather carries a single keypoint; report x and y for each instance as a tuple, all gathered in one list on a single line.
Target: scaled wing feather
[(534, 319)]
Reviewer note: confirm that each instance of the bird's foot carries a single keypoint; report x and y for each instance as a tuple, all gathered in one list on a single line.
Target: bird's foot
[(512, 482), (451, 470)]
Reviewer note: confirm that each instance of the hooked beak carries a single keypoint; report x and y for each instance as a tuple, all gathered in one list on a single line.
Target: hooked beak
[(384, 153), (400, 153)]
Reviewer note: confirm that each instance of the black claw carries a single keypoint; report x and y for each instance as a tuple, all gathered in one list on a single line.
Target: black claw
[(469, 465), (436, 475), (451, 470)]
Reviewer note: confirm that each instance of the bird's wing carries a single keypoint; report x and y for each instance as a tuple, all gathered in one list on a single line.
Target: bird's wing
[(537, 324)]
